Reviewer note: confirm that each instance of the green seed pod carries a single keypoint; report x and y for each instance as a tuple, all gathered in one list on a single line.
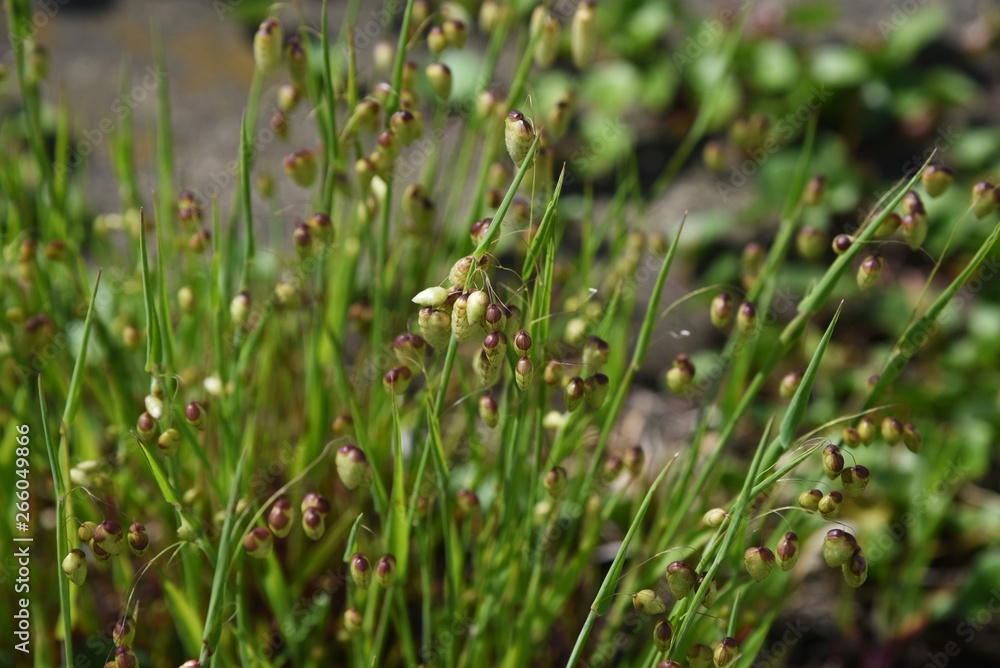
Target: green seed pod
[(841, 243), (365, 169), (726, 652), (279, 124), (124, 632), (280, 518), (267, 43), (911, 438), (486, 105), (313, 523), (288, 97), (985, 199), (295, 56), (199, 241), (596, 353), (759, 562), (888, 226), (937, 180), (611, 469), (437, 42), (713, 155), (680, 376), (746, 318), (125, 658), (196, 415), (647, 602), (833, 461), (433, 297), (477, 304), (168, 442), (494, 319), (383, 57), (596, 389), (361, 571), (912, 203), (301, 167), (518, 136), (855, 479), (487, 372), (74, 565), (188, 210), (892, 430), (866, 430), (489, 411), (547, 47), (385, 571), (711, 590), (583, 34), (560, 115), (435, 327), (108, 536), (439, 76), (810, 499), (699, 656), (634, 459), (353, 467), (302, 240), (86, 531), (131, 337), (838, 546), (100, 553), (681, 579), (829, 505), (522, 342), (554, 374), (353, 621), (753, 261), (573, 393), (790, 383), (788, 551), (555, 481), (186, 299), (811, 243), (914, 228), (459, 273), (523, 372), (138, 539), (410, 350), (714, 517), (850, 436), (258, 542), (460, 326), (404, 126), (576, 330), (662, 634), (855, 569), (239, 309), (815, 190), (721, 310), (495, 347)]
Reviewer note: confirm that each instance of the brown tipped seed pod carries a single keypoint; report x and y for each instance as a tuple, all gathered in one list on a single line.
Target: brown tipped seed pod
[(385, 571), (267, 43), (191, 663), (280, 518), (125, 658), (131, 337), (518, 136), (108, 536), (838, 546), (646, 601), (489, 411), (754, 256), (711, 590), (810, 499), (560, 114), (555, 481), (523, 372), (866, 430), (313, 523), (573, 393), (459, 273), (699, 656), (937, 179), (714, 155), (912, 203), (435, 327), (353, 467), (833, 461), (258, 542), (477, 304), (188, 210), (855, 479), (168, 442), (410, 350), (985, 199), (301, 167), (721, 310), (815, 190), (554, 373), (914, 228), (389, 145), (911, 438), (583, 34), (855, 569), (74, 565), (466, 502), (486, 371), (662, 634), (436, 40), (196, 415), (850, 437), (100, 553), (841, 243), (361, 571), (681, 374), (596, 353), (788, 551), (353, 621), (829, 505), (681, 579), (239, 309), (759, 562), (634, 459), (726, 652), (612, 468), (495, 347), (522, 342), (86, 531), (746, 318), (790, 383), (888, 226), (342, 424), (124, 632), (405, 126), (869, 271), (397, 380), (439, 76), (315, 501), (714, 517), (596, 388), (494, 318), (302, 240), (811, 243), (892, 430), (138, 539)]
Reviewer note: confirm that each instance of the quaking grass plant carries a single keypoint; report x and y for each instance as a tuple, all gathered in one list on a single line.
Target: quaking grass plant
[(404, 445)]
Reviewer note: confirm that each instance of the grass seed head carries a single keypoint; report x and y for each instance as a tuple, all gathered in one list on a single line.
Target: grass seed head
[(397, 380), (634, 458), (746, 318), (759, 562), (301, 167), (911, 437), (662, 634), (811, 243), (937, 179), (124, 632), (455, 32), (547, 47), (725, 652), (435, 327), (888, 226), (681, 579), (189, 210), (866, 430), (646, 601), (86, 531), (353, 621), (555, 481), (850, 437), (985, 199), (239, 309), (573, 393), (361, 570), (714, 517), (280, 517), (841, 243), (313, 523), (815, 190), (138, 539), (699, 656), (810, 499), (267, 45), (439, 76), (385, 571), (790, 383), (518, 136), (892, 430), (125, 658), (596, 389), (855, 479), (437, 42), (721, 310), (494, 319), (611, 469), (914, 228), (147, 427), (583, 34), (838, 546), (681, 374), (596, 353), (788, 551), (74, 565), (829, 505), (711, 590), (855, 569), (258, 542), (833, 461), (523, 373), (196, 415), (353, 468)]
